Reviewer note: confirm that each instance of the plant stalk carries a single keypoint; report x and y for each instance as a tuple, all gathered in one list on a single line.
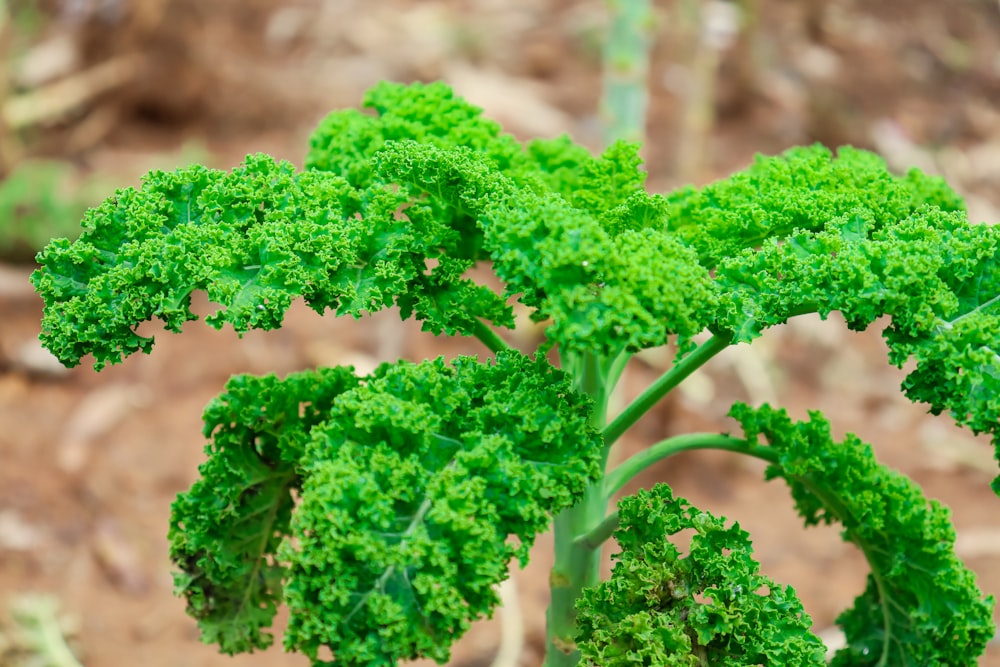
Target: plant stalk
[(577, 565), (620, 476), (488, 337)]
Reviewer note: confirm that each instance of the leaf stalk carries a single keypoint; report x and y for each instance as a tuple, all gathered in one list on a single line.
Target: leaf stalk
[(664, 385)]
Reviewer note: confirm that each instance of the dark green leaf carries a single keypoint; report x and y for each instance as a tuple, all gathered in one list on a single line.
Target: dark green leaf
[(225, 531), (414, 489), (710, 607), (921, 606)]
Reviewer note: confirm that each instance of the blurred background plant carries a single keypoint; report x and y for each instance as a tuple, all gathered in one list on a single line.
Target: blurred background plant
[(35, 633), (39, 198)]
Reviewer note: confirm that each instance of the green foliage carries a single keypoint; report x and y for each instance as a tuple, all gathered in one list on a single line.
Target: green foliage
[(383, 510), (409, 482), (921, 606), (803, 190), (432, 114), (877, 249), (253, 239), (711, 607), (605, 287), (224, 532)]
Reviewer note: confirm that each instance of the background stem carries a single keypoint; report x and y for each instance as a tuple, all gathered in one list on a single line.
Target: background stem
[(625, 94)]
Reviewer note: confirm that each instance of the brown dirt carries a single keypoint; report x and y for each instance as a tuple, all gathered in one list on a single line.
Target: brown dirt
[(89, 463)]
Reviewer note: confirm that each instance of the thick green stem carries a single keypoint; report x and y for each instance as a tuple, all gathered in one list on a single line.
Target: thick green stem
[(626, 69), (664, 385), (577, 566), (577, 561)]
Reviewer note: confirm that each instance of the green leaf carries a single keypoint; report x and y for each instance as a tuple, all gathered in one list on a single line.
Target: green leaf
[(415, 488), (253, 239), (710, 607), (597, 185), (934, 273), (431, 113), (810, 232), (803, 189), (921, 605), (225, 531), (411, 490), (419, 488), (608, 279)]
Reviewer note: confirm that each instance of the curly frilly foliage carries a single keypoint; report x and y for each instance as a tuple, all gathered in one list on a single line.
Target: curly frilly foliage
[(225, 531), (253, 239), (921, 605), (710, 607), (410, 484), (381, 509), (577, 239)]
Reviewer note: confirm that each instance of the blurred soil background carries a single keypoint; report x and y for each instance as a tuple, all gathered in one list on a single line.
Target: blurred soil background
[(93, 93)]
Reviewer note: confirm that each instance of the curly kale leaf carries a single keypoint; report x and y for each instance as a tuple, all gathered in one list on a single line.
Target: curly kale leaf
[(921, 605), (809, 232), (416, 486), (711, 607), (934, 273), (801, 190), (253, 239), (606, 277), (955, 336), (346, 140), (225, 531), (575, 236), (418, 490)]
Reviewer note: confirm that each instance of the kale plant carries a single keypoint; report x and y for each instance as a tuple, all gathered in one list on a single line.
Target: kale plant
[(384, 510)]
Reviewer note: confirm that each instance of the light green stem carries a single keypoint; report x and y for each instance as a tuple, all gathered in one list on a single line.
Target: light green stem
[(628, 469), (626, 70), (489, 337), (664, 385), (577, 561), (577, 566)]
